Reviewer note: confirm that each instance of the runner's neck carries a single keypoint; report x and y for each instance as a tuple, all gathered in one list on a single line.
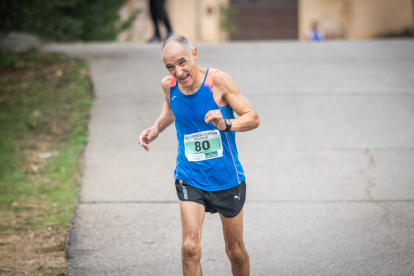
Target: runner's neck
[(201, 76)]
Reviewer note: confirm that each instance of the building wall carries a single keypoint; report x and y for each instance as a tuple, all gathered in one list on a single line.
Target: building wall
[(210, 21), (198, 20), (355, 19), (142, 29), (389, 16)]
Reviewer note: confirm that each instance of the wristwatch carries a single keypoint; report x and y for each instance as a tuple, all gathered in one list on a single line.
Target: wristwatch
[(228, 125)]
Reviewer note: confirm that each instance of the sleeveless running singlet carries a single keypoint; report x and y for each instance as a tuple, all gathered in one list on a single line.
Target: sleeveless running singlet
[(207, 157)]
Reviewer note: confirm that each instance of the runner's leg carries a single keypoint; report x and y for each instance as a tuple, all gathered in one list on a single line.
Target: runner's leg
[(192, 218), (155, 16), (163, 15), (233, 237)]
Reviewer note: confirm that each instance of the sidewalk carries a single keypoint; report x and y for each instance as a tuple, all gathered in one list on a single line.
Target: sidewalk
[(329, 171)]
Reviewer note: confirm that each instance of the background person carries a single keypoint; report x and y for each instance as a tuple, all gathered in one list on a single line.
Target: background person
[(315, 33), (158, 13)]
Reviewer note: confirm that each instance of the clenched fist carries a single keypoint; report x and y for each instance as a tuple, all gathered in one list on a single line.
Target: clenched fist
[(216, 118)]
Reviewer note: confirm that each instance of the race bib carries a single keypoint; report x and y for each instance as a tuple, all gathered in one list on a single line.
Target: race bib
[(203, 145)]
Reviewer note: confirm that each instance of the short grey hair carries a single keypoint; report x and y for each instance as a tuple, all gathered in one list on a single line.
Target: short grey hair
[(182, 40)]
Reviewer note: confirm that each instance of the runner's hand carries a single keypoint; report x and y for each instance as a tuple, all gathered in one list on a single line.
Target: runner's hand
[(216, 118), (147, 136)]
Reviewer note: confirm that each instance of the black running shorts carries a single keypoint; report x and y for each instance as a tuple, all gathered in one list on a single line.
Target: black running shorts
[(229, 202)]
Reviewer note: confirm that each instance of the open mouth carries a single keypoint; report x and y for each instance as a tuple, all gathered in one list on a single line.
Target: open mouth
[(184, 78)]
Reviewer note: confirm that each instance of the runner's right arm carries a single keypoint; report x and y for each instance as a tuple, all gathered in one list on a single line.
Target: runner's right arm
[(166, 118)]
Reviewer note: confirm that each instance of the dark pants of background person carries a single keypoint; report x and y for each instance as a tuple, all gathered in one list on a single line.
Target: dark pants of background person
[(158, 13)]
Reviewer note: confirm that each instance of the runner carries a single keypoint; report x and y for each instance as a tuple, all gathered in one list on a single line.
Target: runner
[(208, 174)]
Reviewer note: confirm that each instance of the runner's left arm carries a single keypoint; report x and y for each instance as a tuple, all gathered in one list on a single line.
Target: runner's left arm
[(248, 120), (165, 119)]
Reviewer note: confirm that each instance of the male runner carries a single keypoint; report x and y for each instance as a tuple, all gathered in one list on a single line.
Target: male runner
[(209, 176)]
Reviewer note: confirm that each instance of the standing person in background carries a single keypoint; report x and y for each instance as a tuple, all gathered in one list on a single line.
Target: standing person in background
[(158, 13), (315, 34)]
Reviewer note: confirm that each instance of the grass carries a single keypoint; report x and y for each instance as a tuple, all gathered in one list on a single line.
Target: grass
[(44, 109)]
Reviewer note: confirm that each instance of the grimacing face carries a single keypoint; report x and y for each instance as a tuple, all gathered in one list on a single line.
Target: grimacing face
[(180, 63)]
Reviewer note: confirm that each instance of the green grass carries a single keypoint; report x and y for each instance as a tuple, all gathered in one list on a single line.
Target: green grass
[(45, 101)]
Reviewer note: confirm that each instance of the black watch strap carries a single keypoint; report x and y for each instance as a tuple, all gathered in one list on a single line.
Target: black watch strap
[(228, 125)]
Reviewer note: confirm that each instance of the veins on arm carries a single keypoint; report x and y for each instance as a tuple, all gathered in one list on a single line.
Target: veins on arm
[(249, 118)]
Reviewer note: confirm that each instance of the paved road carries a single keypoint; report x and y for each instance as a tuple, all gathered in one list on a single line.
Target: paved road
[(330, 170)]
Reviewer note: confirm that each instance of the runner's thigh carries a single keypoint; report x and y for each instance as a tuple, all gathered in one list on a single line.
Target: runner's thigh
[(192, 218), (233, 229)]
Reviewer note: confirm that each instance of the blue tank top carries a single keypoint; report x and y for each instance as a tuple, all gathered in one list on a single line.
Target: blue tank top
[(189, 111)]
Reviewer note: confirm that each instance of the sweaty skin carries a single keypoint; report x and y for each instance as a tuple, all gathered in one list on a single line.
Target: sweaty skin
[(183, 66)]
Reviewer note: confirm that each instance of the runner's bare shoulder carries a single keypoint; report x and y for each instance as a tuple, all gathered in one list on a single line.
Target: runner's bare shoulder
[(224, 82), (165, 84)]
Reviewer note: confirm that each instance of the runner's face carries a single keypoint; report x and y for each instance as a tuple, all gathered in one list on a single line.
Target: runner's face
[(180, 63)]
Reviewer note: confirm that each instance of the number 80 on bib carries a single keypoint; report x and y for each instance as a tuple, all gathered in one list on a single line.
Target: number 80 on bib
[(203, 145)]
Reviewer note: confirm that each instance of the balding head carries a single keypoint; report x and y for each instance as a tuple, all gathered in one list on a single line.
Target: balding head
[(180, 59), (183, 41)]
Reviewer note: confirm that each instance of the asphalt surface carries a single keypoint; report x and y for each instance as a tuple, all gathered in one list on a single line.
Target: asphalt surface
[(330, 170)]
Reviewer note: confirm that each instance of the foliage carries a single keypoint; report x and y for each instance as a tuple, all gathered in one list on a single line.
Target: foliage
[(44, 108), (226, 19), (7, 60), (407, 32), (65, 20)]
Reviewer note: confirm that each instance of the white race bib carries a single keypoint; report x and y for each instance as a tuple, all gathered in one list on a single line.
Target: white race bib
[(203, 145)]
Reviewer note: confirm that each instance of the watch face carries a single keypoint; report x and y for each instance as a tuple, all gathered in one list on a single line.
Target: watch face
[(228, 124)]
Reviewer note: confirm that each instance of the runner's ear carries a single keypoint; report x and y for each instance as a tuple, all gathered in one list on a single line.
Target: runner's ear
[(195, 54)]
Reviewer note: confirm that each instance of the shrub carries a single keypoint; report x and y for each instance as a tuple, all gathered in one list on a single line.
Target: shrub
[(64, 20)]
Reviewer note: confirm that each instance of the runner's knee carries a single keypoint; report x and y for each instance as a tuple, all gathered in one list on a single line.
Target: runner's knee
[(191, 249), (236, 252)]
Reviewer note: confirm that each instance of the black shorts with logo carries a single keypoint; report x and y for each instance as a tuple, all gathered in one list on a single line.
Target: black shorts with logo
[(228, 202)]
